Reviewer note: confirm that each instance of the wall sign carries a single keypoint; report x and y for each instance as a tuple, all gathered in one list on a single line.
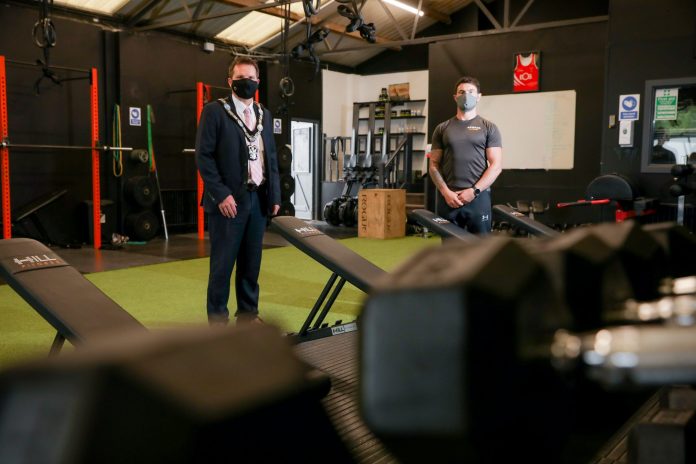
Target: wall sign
[(135, 116), (666, 104), (629, 107)]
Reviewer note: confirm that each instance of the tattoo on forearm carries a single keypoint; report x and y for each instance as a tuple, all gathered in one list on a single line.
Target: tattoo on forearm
[(436, 176)]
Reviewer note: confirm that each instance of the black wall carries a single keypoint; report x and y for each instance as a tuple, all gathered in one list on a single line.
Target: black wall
[(572, 58), (645, 42), (59, 115), (305, 103), (161, 71)]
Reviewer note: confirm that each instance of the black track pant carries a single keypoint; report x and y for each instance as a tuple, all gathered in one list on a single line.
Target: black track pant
[(475, 217)]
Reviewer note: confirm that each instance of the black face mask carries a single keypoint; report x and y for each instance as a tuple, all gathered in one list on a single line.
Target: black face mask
[(244, 88)]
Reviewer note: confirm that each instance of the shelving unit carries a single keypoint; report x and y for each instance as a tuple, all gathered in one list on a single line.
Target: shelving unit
[(368, 120), (393, 132), (395, 117)]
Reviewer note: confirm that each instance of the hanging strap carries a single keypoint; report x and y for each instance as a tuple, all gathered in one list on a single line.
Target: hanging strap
[(117, 161), (150, 148)]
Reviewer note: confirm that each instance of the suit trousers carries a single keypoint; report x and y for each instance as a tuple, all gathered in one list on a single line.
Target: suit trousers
[(235, 241)]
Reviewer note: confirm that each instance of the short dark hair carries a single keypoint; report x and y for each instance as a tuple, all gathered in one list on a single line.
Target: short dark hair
[(242, 60), (468, 80)]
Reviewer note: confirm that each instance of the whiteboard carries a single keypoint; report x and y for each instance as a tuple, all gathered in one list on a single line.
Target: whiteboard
[(538, 129)]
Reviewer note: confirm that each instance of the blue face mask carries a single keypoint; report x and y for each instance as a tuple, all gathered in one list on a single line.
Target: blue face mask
[(466, 102)]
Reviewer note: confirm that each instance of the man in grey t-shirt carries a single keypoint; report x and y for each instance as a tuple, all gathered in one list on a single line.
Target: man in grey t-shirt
[(465, 159)]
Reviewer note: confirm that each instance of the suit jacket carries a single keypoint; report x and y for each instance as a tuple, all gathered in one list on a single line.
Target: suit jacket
[(222, 159)]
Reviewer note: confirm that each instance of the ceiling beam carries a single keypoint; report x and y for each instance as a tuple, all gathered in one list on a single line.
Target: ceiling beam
[(521, 13), (186, 8), (506, 14), (488, 14), (415, 20), (197, 14), (466, 35), (393, 20), (138, 15)]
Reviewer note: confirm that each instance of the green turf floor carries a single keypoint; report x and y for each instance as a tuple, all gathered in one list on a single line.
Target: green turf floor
[(173, 294)]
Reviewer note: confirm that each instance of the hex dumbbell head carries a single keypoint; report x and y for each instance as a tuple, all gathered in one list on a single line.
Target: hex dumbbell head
[(586, 272), (679, 245), (642, 258), (446, 342)]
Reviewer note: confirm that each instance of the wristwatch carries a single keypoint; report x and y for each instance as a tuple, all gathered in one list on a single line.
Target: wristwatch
[(477, 191)]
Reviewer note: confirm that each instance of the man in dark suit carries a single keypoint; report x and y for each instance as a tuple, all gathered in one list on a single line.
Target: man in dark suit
[(236, 156)]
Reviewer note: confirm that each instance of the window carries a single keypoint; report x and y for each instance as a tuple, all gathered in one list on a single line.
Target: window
[(669, 124)]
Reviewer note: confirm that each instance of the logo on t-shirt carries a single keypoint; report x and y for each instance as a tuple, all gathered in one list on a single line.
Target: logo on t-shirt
[(474, 128)]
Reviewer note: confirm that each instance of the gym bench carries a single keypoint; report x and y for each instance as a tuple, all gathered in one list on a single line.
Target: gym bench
[(75, 307), (525, 222), (345, 266), (441, 226)]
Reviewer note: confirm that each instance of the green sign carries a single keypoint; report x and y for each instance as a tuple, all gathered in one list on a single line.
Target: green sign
[(666, 104)]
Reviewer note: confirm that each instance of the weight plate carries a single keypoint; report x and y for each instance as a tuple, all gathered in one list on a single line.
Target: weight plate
[(140, 155), (284, 158), (286, 209), (142, 226), (287, 186), (141, 191)]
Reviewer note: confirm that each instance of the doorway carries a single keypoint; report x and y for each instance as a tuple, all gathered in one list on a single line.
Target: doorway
[(304, 144)]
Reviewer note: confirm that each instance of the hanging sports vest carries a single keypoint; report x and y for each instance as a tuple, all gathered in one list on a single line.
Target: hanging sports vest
[(526, 74)]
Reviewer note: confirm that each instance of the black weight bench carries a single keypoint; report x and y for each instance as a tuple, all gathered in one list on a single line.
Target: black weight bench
[(441, 226), (525, 222), (75, 307), (30, 221), (344, 264)]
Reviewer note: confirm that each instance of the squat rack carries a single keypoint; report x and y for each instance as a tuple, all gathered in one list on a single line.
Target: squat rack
[(201, 90), (5, 146)]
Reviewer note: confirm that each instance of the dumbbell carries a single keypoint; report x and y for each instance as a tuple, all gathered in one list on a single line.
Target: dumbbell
[(679, 246), (596, 269), (346, 212), (630, 355), (450, 365), (331, 212), (683, 185)]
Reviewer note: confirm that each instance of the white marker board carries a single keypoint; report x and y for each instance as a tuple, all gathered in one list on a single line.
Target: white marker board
[(538, 129)]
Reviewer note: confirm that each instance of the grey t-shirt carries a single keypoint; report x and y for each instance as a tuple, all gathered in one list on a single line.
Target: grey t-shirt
[(463, 145)]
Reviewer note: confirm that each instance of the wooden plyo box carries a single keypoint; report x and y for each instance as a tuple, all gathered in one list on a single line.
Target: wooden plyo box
[(382, 213)]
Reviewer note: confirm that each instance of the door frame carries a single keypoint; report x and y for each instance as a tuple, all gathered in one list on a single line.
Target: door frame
[(316, 164)]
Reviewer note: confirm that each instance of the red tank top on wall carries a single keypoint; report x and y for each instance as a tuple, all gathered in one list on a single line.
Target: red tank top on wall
[(526, 73)]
